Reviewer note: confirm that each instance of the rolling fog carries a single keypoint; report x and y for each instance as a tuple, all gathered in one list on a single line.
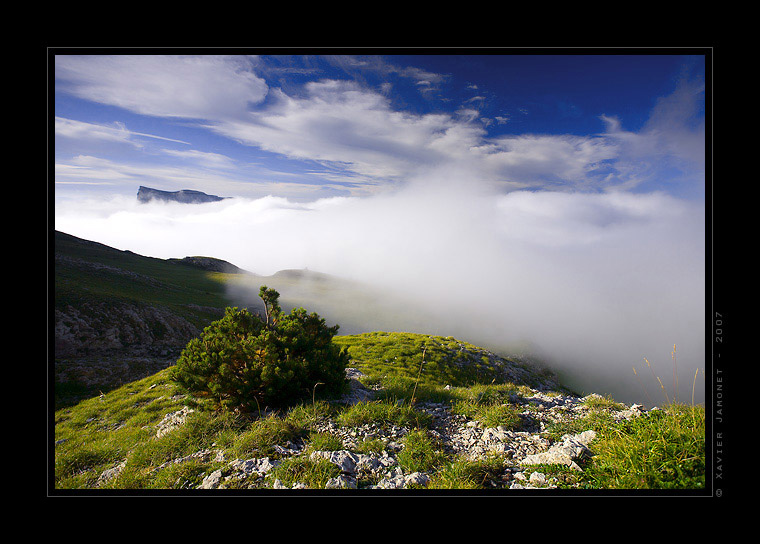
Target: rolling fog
[(591, 283)]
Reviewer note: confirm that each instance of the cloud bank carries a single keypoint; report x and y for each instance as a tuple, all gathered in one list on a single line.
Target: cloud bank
[(593, 282)]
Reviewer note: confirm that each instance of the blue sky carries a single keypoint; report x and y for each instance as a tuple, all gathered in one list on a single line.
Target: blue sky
[(314, 126)]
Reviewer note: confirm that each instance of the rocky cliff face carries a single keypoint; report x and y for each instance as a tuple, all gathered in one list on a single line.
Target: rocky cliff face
[(185, 196), (126, 328), (105, 345)]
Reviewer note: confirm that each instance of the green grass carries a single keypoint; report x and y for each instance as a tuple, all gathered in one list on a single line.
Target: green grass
[(259, 439), (663, 449), (382, 413), (420, 453), (465, 474), (96, 434), (320, 441), (490, 405), (314, 474), (601, 402), (496, 415)]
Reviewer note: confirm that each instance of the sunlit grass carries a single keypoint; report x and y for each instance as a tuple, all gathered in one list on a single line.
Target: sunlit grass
[(467, 474), (382, 413), (662, 449)]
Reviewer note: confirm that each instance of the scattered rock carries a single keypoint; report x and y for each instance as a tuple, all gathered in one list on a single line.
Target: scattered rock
[(345, 460), (456, 434), (172, 421), (212, 481), (111, 473), (341, 482), (573, 448)]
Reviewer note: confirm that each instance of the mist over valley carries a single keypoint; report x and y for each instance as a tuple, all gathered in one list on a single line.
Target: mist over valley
[(590, 284)]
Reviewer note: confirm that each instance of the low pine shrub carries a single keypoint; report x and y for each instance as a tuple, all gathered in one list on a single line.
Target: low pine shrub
[(247, 363)]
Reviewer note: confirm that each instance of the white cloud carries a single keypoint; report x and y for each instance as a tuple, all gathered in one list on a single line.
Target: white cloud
[(670, 147), (203, 87), (202, 157), (117, 132), (341, 122), (547, 160), (344, 123), (468, 115), (78, 130), (675, 126)]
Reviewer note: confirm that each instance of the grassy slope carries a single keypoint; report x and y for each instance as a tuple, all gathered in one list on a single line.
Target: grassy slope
[(114, 275), (446, 360)]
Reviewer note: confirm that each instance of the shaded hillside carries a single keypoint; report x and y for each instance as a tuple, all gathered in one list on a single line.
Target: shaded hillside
[(119, 316), (108, 300)]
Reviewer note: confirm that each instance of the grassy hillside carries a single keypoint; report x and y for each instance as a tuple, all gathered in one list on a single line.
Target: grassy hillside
[(115, 437), (90, 272), (119, 316)]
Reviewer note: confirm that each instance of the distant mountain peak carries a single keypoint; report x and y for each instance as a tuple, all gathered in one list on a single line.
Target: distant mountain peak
[(185, 196)]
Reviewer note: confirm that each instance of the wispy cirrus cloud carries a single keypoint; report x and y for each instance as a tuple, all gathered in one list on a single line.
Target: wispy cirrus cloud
[(424, 80), (215, 160), (673, 128), (116, 132)]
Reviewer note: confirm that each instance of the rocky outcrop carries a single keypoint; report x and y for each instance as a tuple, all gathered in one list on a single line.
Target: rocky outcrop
[(184, 196), (457, 435), (128, 328)]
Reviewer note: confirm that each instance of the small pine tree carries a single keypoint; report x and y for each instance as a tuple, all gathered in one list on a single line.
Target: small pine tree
[(244, 362)]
